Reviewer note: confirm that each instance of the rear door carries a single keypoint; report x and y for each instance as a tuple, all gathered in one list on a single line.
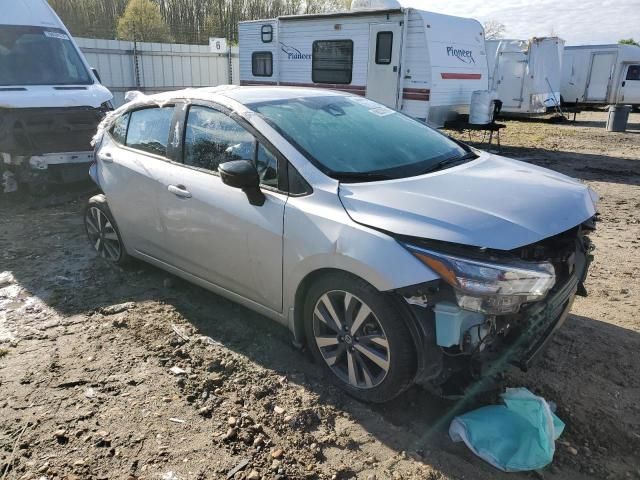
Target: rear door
[(600, 74), (132, 159), (385, 41), (212, 231), (630, 91)]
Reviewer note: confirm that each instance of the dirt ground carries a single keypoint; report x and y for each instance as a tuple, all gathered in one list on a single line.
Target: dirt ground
[(109, 373)]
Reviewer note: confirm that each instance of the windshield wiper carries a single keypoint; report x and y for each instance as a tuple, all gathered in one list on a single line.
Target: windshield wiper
[(451, 161), (360, 176)]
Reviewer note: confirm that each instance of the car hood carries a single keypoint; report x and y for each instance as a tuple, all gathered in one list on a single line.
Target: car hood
[(39, 96), (491, 202)]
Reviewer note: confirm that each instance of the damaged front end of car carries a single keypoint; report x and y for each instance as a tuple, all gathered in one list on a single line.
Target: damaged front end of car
[(490, 308), (43, 146)]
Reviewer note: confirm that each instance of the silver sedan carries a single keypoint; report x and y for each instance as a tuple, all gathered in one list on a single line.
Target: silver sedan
[(394, 253)]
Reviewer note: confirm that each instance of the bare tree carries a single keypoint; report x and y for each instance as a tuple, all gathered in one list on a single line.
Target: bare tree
[(494, 30)]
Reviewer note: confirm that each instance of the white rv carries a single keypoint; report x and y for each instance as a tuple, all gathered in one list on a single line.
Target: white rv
[(50, 100), (424, 64), (526, 73), (601, 74)]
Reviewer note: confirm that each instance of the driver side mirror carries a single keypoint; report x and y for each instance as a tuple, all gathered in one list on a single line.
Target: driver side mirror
[(242, 174)]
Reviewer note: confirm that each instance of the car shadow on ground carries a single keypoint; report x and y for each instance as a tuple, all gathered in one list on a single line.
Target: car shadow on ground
[(53, 261)]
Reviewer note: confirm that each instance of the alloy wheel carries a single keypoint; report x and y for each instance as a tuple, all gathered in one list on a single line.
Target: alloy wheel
[(351, 339), (102, 234)]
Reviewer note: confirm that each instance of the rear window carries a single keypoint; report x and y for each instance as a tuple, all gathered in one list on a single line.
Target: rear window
[(149, 130), (119, 129), (39, 56)]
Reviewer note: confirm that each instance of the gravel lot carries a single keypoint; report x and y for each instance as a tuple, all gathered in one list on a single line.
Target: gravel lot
[(131, 373)]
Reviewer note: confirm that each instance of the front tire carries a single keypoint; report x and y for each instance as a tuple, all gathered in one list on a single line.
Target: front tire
[(102, 231), (359, 338)]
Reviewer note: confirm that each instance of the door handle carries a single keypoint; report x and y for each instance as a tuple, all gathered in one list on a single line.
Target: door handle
[(624, 83), (179, 191), (105, 157)]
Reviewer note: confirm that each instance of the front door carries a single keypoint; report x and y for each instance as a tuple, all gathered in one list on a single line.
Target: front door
[(512, 68), (630, 91), (212, 231), (600, 76), (385, 40)]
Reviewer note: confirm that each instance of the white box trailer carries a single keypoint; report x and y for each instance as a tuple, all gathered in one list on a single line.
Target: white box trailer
[(601, 75), (421, 63), (526, 73)]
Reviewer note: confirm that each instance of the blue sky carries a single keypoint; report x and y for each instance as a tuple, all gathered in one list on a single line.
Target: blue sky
[(578, 22)]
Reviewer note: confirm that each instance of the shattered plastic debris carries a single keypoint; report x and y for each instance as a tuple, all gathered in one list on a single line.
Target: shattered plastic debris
[(517, 436)]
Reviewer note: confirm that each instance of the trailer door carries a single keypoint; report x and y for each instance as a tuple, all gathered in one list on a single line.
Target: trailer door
[(600, 76), (630, 91), (512, 68), (385, 41)]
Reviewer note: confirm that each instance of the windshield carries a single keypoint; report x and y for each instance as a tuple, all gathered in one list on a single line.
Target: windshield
[(39, 56), (355, 138)]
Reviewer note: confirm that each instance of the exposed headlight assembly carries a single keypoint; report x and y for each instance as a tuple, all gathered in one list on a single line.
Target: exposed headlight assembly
[(490, 288)]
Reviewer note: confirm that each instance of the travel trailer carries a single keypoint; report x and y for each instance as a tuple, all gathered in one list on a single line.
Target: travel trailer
[(50, 99), (423, 64), (601, 75), (526, 73)]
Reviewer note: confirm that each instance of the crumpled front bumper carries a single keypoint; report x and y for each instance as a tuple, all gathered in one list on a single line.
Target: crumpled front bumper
[(522, 346)]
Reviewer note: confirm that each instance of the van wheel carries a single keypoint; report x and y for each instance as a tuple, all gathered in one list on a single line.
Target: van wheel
[(102, 231), (356, 334)]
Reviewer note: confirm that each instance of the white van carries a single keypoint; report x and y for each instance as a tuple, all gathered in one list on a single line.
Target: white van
[(601, 75), (50, 99), (526, 73), (424, 64)]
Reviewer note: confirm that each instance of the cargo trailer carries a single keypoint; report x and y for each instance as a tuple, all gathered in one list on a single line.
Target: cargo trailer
[(526, 73), (601, 75)]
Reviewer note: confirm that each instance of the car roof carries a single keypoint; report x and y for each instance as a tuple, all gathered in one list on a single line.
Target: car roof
[(243, 95)]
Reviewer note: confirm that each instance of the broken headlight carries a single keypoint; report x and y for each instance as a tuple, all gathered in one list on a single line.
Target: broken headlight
[(490, 288)]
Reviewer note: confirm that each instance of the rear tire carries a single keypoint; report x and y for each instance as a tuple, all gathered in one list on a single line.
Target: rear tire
[(102, 231), (368, 352)]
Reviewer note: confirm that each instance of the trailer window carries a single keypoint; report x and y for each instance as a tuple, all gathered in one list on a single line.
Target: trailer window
[(384, 46), (262, 64), (633, 72), (266, 33), (332, 61)]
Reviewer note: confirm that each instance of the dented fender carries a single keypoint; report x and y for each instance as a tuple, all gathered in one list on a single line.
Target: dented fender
[(318, 234)]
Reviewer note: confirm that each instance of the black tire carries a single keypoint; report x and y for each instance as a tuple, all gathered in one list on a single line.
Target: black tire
[(100, 202), (401, 351)]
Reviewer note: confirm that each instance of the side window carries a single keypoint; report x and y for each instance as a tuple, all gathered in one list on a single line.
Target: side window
[(262, 64), (119, 129), (633, 72), (212, 137), (384, 46), (267, 166), (297, 184), (332, 61), (149, 129)]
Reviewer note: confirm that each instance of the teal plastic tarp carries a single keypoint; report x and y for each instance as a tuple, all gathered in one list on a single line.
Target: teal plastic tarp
[(517, 436)]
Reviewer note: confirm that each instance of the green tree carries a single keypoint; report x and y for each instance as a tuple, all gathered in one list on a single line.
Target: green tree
[(143, 22), (629, 41)]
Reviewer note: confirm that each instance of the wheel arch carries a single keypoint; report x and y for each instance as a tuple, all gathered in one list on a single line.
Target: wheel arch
[(410, 320)]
